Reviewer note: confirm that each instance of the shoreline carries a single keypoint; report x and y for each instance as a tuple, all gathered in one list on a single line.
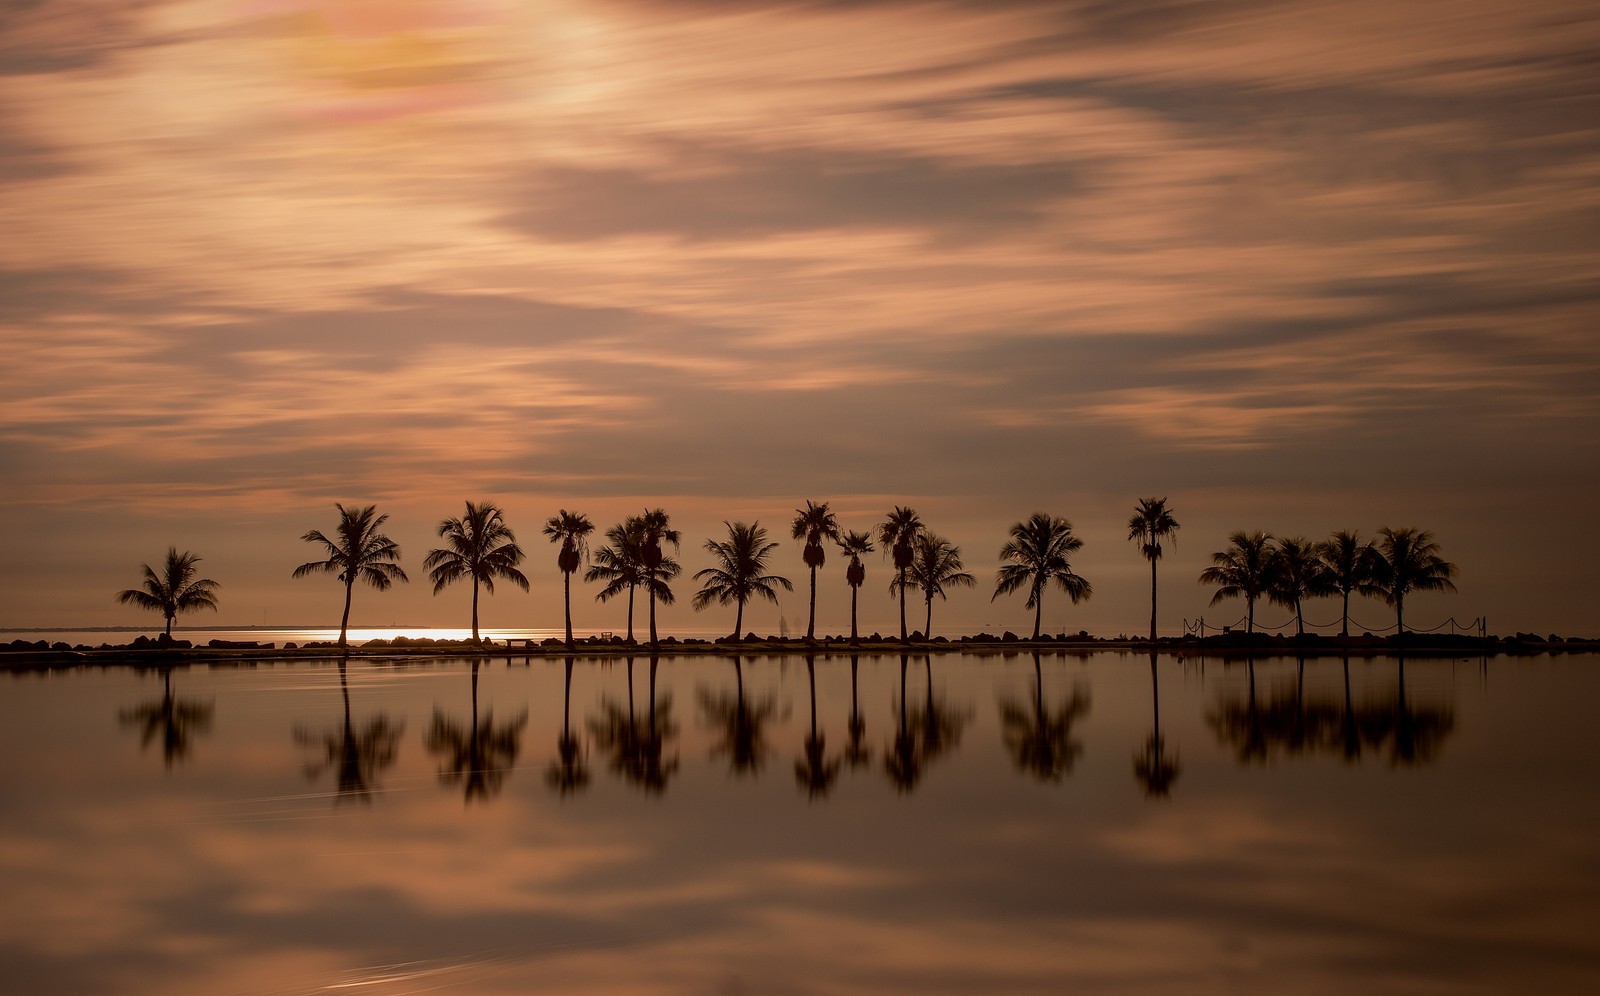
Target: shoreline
[(41, 654)]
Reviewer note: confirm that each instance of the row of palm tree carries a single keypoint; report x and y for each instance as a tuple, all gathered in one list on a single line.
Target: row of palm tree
[(1289, 570), (481, 546)]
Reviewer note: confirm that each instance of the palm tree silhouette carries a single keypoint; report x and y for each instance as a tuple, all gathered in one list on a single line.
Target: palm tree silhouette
[(481, 547), (659, 569), (1296, 573), (815, 771), (936, 566), (741, 725), (737, 576), (477, 756), (898, 533), (1241, 571), (1038, 551), (1152, 767), (175, 722), (853, 545), (571, 530), (620, 564), (361, 553), (814, 523), (567, 773), (1040, 740), (1150, 523), (174, 590), (856, 752), (1408, 561), (357, 756), (1350, 565)]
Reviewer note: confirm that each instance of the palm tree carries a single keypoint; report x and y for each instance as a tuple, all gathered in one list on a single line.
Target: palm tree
[(481, 547), (1038, 549), (1241, 571), (361, 553), (853, 545), (659, 569), (1151, 522), (1408, 560), (741, 560), (571, 530), (936, 566), (1350, 566), (1296, 573), (814, 523), (174, 590), (898, 533), (620, 564)]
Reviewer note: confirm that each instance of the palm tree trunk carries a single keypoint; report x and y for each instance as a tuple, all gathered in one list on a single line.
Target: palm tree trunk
[(344, 623), (902, 605), (927, 629), (475, 638), (1152, 601), (1038, 611), (738, 621), (1400, 615), (854, 635), (1299, 620), (1346, 630), (811, 625), (566, 597), (1250, 620), (652, 617), (170, 617), (630, 612)]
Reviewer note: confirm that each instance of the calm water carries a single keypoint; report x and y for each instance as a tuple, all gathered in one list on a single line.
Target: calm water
[(420, 827)]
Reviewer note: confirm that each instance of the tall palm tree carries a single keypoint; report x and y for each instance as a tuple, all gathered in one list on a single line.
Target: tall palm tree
[(814, 523), (360, 553), (481, 547), (571, 530), (898, 533), (1296, 574), (1150, 523), (741, 561), (936, 566), (659, 569), (1038, 551), (853, 545), (1241, 571), (1408, 561), (620, 564), (1350, 565), (175, 589)]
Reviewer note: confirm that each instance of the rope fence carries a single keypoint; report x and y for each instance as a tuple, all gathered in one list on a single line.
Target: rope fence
[(1198, 627)]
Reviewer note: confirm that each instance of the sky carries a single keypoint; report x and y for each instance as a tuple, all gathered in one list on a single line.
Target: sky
[(1294, 266)]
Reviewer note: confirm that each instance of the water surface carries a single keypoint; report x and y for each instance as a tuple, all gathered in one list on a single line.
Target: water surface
[(756, 824)]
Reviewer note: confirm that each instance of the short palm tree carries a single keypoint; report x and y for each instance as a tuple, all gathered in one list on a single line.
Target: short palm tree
[(898, 533), (1150, 523), (1408, 561), (936, 566), (1038, 551), (659, 569), (360, 553), (620, 564), (814, 523), (481, 547), (853, 545), (1296, 574), (175, 589), (739, 574), (1241, 571), (1350, 565), (571, 530)]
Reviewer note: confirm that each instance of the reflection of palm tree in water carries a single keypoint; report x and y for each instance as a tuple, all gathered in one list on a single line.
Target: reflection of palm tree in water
[(741, 724), (357, 756), (478, 756), (636, 749), (1039, 739), (1151, 766), (567, 773), (173, 721), (923, 734), (1418, 732), (856, 752), (815, 771)]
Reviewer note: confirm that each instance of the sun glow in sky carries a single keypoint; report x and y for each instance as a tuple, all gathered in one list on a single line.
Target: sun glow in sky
[(1295, 266)]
